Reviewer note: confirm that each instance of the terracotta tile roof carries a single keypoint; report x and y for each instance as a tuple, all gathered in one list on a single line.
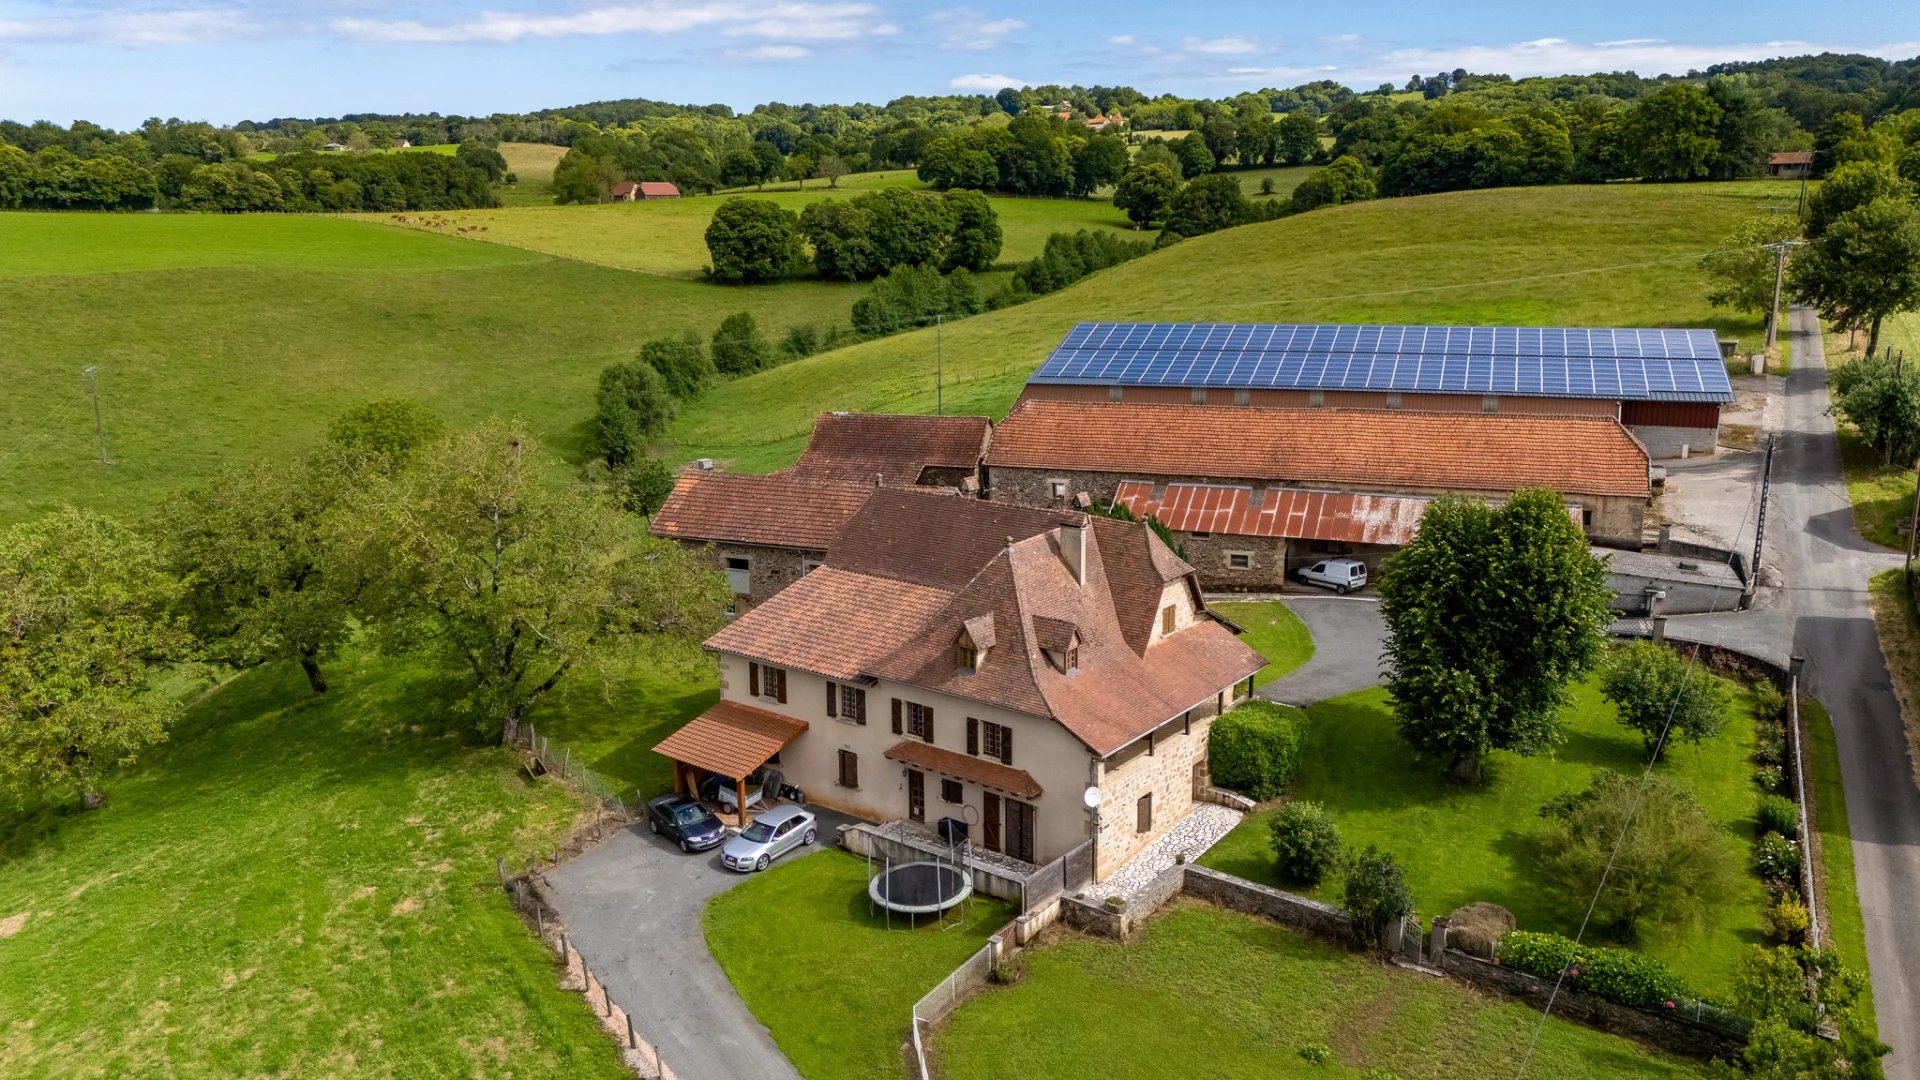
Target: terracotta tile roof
[(1284, 512), (966, 767), (625, 187), (832, 623), (1138, 568), (731, 739), (870, 448), (775, 511), (1326, 447), (930, 538), (658, 189), (1791, 157)]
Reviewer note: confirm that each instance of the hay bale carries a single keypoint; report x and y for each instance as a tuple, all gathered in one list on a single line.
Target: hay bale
[(1476, 928)]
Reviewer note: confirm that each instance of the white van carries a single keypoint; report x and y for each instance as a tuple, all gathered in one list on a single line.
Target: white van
[(1341, 575)]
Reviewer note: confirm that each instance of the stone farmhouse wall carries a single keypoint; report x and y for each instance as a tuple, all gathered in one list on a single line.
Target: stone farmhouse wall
[(770, 569), (1171, 772)]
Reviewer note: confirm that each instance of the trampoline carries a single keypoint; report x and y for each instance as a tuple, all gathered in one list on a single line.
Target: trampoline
[(920, 888)]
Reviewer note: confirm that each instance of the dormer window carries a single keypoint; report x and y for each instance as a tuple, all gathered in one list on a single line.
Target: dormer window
[(965, 656), (970, 646)]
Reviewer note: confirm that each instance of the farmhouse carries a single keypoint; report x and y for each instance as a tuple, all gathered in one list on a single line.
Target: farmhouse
[(896, 451), (1254, 493), (1666, 386), (401, 144), (625, 191), (960, 659), (1790, 164), (766, 531)]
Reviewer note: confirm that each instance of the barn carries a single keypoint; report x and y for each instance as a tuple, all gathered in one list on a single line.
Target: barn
[(1665, 386)]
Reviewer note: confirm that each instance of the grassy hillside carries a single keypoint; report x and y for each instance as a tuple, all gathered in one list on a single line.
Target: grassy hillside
[(223, 338), (1616, 255)]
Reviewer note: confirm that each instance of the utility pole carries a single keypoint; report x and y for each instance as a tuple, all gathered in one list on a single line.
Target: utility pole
[(91, 371), (1779, 249), (938, 375), (1760, 524), (1913, 522)]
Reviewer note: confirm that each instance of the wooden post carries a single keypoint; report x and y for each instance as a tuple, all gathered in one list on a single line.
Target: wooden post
[(566, 756), (633, 1041), (1913, 522), (740, 792), (502, 865)]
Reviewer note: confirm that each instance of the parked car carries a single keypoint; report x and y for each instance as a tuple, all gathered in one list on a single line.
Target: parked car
[(684, 821), (1341, 575), (771, 835), (720, 789)]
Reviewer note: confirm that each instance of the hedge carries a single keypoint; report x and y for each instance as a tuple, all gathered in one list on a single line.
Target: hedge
[(1255, 748), (1619, 975)]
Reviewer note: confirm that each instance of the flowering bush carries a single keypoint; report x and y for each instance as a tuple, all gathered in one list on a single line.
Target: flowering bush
[(1615, 974)]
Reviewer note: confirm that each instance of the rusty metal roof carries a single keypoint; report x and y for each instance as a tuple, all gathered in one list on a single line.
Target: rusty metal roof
[(966, 767), (731, 739), (1284, 512)]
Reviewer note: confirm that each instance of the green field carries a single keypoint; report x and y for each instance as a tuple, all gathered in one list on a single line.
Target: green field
[(1231, 995), (1461, 845), (443, 149), (1274, 631), (294, 885), (1882, 495)]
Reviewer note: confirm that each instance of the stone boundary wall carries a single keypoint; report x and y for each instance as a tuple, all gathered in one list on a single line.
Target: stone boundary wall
[(1239, 894)]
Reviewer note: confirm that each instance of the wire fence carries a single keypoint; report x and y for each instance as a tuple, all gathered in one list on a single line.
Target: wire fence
[(558, 759), (971, 975)]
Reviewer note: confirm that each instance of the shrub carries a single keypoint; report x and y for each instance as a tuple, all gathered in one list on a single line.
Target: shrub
[(1011, 970), (1776, 858), (1255, 748), (1769, 704), (1662, 696), (1789, 992), (682, 362), (912, 296), (738, 348), (1670, 861), (1376, 894), (1770, 778), (1619, 975), (1317, 1053), (632, 404), (1788, 921), (1477, 929), (643, 484), (1305, 842), (1779, 814), (1068, 257), (1770, 747), (753, 240)]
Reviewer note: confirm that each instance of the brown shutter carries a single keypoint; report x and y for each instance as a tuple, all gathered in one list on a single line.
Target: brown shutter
[(973, 735), (896, 716), (832, 701), (853, 769), (928, 712), (860, 707), (753, 680), (779, 684), (1006, 746)]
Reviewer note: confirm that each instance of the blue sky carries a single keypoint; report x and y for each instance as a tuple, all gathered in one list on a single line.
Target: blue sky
[(118, 62)]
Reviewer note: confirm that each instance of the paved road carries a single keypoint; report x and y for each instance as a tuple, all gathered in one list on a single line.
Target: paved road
[(1821, 613), (632, 906), (1347, 633)]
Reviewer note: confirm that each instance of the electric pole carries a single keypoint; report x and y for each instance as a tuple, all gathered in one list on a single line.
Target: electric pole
[(1779, 249), (938, 377), (91, 371)]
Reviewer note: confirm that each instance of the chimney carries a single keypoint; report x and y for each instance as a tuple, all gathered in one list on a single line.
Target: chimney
[(1073, 549)]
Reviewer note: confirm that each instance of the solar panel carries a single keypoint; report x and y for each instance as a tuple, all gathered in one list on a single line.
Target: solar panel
[(1538, 361)]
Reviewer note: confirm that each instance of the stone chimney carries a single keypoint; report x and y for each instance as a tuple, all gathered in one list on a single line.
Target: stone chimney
[(1073, 549)]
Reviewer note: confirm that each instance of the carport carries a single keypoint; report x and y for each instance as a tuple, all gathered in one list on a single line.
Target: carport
[(729, 740)]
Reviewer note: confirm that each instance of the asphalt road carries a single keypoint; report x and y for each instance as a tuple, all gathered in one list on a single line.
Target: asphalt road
[(1347, 633)]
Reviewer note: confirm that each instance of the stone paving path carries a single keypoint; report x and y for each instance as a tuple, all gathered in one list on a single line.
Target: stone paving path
[(1202, 828)]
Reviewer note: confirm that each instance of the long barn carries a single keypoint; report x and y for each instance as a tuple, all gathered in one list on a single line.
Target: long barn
[(1666, 386)]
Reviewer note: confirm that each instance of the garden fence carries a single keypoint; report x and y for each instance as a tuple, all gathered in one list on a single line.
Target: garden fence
[(1068, 873), (1811, 894), (559, 759), (971, 975)]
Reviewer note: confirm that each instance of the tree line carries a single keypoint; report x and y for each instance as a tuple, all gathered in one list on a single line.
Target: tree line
[(454, 550)]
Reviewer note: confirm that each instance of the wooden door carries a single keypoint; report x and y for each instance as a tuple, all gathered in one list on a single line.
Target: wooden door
[(990, 820), (916, 795), (1020, 830)]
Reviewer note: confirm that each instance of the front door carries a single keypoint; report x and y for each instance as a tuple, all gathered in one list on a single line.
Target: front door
[(990, 820), (916, 795), (1020, 830)]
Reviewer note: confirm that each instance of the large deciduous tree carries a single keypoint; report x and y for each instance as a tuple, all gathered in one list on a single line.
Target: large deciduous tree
[(1491, 613), (1208, 204), (1144, 192), (632, 405), (976, 238), (477, 563), (752, 240), (1675, 131), (86, 616), (1742, 270), (1864, 267)]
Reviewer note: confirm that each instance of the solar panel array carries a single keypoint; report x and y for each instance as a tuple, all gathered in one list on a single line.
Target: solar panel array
[(1531, 361)]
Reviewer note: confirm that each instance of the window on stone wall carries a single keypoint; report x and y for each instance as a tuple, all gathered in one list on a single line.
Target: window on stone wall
[(740, 575), (1143, 814), (1239, 560), (1058, 487), (1167, 617)]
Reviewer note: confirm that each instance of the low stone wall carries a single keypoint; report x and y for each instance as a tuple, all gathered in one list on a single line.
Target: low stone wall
[(1096, 918), (1239, 894), (1670, 1031), (1232, 800)]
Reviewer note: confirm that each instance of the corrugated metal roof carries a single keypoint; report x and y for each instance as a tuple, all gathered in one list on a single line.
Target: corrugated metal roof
[(1283, 512)]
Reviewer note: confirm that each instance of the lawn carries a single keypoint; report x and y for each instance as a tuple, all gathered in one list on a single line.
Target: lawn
[(294, 885), (1844, 922), (1460, 845), (1234, 996), (612, 727), (1285, 178), (1882, 495), (833, 984), (1619, 254), (1899, 628), (1275, 632)]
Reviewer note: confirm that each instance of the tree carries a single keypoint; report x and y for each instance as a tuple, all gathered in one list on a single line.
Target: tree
[(1491, 613), (1157, 152), (1850, 187), (1864, 267), (738, 348), (976, 239), (1790, 992), (739, 167), (1663, 697), (643, 485), (770, 164), (478, 565), (86, 620), (584, 178), (1208, 204), (1144, 192), (1375, 894), (478, 155), (1194, 156), (753, 240), (632, 405), (16, 176), (381, 436), (1346, 180), (1742, 270), (831, 168), (1297, 137), (683, 362), (1097, 162), (1675, 130), (1650, 856), (1881, 396)]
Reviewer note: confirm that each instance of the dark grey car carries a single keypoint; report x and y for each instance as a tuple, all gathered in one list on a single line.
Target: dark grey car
[(685, 822)]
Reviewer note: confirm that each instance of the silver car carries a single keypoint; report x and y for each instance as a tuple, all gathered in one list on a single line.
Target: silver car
[(771, 835)]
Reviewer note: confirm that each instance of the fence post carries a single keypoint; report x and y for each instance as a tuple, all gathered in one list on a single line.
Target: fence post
[(501, 863), (566, 756)]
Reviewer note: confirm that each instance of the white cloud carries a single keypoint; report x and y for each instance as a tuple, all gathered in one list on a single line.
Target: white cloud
[(1120, 39), (970, 30), (1559, 56), (782, 21), (775, 52), (1221, 46), (985, 83), (136, 29)]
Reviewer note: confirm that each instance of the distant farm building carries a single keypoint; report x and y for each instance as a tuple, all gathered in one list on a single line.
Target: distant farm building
[(1100, 123), (1790, 164), (658, 189), (334, 146), (1666, 386), (402, 144), (626, 191)]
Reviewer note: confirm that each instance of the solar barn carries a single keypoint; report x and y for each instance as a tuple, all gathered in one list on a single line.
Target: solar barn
[(1666, 386)]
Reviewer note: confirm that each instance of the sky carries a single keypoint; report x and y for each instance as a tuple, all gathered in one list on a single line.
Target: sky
[(117, 62)]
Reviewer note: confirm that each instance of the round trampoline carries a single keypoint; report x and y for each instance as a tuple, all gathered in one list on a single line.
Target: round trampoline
[(920, 888)]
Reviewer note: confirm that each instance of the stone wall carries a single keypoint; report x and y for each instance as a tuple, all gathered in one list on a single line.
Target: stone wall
[(1095, 918), (1167, 773), (770, 569), (1667, 442), (1208, 556), (1238, 894)]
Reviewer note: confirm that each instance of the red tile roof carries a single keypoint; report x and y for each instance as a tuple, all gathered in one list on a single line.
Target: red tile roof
[(935, 539), (975, 770), (831, 622), (1791, 157), (625, 187), (731, 739), (873, 448), (1283, 512), (657, 189), (1471, 452), (774, 511)]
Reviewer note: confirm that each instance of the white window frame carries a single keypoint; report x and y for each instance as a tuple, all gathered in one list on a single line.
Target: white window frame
[(1246, 558)]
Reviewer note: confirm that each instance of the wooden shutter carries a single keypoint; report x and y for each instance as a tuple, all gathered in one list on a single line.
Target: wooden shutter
[(753, 680), (860, 707), (779, 684), (896, 716), (1143, 814), (833, 701), (973, 735), (927, 711), (1006, 746)]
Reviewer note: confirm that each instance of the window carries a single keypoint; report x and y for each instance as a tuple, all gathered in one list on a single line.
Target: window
[(991, 739), (1143, 814), (1490, 404), (1243, 397), (1586, 518), (965, 657), (767, 682), (1198, 395), (1058, 487), (950, 791), (1167, 617), (912, 718), (740, 575), (808, 566), (849, 769), (849, 703), (916, 795), (1198, 535), (1240, 560), (1316, 399)]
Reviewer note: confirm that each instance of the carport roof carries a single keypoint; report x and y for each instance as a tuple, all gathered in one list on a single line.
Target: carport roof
[(731, 739)]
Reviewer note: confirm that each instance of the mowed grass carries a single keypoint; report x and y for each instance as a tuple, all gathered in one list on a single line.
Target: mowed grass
[(1285, 178), (611, 727), (1461, 845), (1274, 631), (1210, 992), (1613, 255), (294, 885), (669, 236), (1842, 918), (226, 338), (833, 984), (1882, 494)]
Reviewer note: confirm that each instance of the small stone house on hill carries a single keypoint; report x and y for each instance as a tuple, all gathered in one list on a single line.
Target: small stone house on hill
[(960, 659), (625, 191)]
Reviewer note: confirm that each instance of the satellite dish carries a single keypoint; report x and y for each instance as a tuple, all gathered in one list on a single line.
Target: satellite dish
[(1091, 797)]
